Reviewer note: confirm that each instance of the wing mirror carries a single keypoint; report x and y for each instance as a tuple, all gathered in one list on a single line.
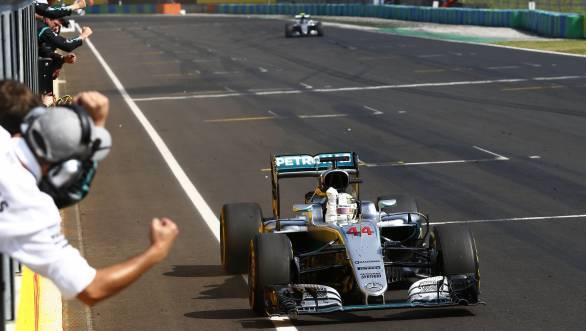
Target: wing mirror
[(302, 208), (384, 204)]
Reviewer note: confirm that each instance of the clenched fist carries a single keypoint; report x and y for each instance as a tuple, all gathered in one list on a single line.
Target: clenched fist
[(163, 234), (96, 104)]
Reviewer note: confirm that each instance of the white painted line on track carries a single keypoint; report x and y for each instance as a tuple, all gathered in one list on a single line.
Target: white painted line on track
[(261, 69), (226, 72), (190, 190), (307, 86), (424, 56), (374, 111), (274, 114), (364, 88), (534, 157), (517, 219), (500, 157), (81, 247), (322, 116), (203, 60), (403, 164), (502, 67), (254, 90)]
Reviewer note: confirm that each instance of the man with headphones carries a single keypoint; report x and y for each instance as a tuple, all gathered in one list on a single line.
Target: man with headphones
[(49, 152)]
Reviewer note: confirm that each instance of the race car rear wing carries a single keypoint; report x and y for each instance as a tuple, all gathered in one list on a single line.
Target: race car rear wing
[(303, 165), (287, 166)]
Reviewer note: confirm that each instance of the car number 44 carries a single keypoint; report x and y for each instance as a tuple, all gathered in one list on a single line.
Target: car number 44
[(353, 230)]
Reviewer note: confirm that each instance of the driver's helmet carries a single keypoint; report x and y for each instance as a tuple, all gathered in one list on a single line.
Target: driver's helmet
[(341, 207), (346, 209)]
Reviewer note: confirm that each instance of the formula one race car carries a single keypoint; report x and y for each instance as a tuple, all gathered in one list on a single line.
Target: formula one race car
[(303, 26), (340, 253)]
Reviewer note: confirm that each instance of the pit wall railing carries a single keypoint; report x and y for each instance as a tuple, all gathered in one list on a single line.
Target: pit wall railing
[(544, 23), (19, 42), (18, 61)]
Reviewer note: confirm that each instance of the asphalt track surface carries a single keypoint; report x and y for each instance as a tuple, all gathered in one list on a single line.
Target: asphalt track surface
[(228, 92)]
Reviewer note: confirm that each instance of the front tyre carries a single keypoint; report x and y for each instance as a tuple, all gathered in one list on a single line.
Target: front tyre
[(288, 30), (456, 254), (319, 29), (270, 257)]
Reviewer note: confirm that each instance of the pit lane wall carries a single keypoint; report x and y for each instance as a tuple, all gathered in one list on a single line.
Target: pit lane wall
[(548, 24)]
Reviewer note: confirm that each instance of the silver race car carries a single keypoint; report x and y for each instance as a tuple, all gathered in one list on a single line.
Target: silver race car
[(341, 253), (303, 26)]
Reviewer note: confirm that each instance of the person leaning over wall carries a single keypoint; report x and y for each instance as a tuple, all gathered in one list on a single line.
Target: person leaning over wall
[(47, 151), (43, 8)]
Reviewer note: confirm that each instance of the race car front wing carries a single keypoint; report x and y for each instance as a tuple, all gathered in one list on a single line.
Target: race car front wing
[(305, 299)]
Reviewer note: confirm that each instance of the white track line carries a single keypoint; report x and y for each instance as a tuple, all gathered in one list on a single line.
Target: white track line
[(373, 110), (192, 193), (516, 219), (403, 164), (81, 247), (322, 116), (362, 88), (500, 157), (502, 67)]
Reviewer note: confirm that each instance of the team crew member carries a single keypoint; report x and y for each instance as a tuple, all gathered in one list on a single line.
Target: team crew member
[(51, 142), (49, 38), (43, 8)]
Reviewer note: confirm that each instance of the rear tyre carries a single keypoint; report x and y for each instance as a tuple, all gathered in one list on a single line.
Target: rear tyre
[(270, 257), (239, 223), (456, 254)]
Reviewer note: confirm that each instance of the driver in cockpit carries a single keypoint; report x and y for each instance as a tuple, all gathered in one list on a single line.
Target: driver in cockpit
[(331, 193)]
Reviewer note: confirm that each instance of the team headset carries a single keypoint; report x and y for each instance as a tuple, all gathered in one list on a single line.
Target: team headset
[(68, 179)]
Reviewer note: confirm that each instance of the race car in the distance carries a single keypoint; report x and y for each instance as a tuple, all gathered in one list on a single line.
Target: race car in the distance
[(303, 26), (340, 253)]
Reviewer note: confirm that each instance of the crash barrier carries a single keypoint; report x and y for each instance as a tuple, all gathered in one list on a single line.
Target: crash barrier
[(549, 24), (122, 9), (570, 6)]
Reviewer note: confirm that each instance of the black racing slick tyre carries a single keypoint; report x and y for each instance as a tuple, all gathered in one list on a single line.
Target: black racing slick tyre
[(456, 252), (404, 203), (288, 30), (319, 29), (239, 223), (270, 257)]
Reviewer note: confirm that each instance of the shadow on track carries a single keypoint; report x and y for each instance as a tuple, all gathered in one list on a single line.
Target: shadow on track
[(226, 287), (338, 318), (247, 318), (196, 271)]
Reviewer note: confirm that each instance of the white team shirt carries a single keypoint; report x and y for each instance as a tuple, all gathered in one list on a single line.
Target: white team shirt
[(30, 226)]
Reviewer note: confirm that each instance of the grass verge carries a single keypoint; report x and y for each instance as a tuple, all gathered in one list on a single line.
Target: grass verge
[(572, 46)]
